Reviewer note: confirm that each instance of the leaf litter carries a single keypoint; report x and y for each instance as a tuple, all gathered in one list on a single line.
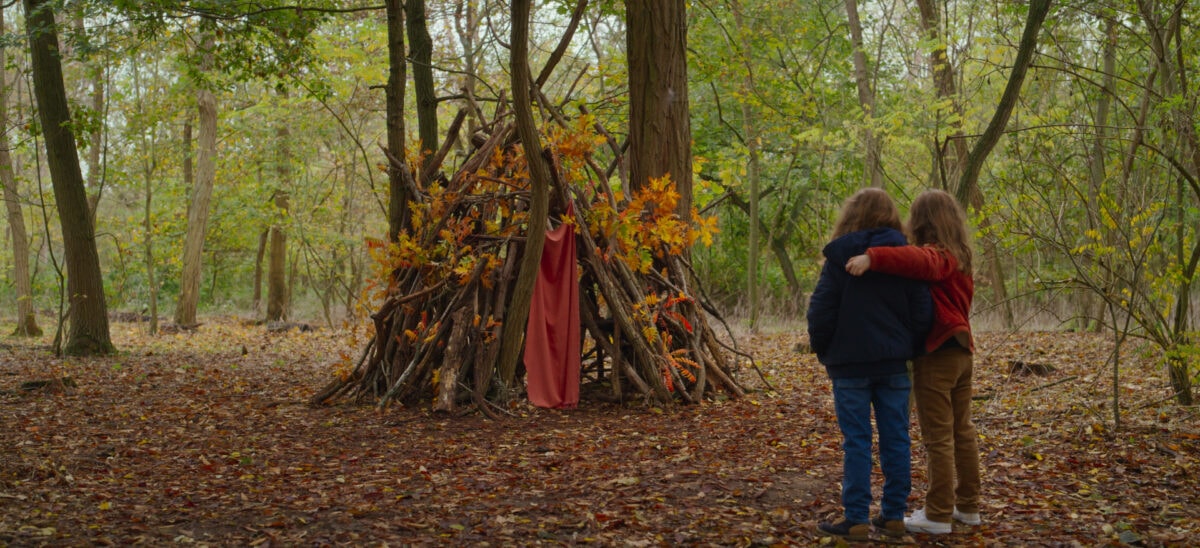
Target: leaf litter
[(205, 438)]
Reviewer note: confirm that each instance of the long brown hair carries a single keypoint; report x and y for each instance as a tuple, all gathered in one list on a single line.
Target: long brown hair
[(867, 208), (937, 219)]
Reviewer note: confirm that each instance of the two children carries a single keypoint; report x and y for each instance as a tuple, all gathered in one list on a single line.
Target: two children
[(942, 376)]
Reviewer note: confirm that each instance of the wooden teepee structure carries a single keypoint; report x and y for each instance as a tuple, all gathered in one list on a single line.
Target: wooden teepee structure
[(648, 330)]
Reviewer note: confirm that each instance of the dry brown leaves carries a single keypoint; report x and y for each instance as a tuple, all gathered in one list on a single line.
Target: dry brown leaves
[(205, 438)]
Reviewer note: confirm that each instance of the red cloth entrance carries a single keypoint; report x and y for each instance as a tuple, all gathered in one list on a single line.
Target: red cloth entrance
[(552, 341)]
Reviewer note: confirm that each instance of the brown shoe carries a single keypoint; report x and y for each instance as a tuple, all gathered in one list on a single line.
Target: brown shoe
[(845, 529), (889, 527)]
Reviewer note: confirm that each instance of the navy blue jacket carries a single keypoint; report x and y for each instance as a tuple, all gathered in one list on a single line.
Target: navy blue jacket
[(869, 325)]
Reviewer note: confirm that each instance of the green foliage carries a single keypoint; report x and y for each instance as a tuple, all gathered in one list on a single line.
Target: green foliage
[(1128, 237)]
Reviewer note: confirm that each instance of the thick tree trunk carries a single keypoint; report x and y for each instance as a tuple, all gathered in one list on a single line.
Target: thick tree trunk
[(660, 132), (278, 297), (197, 227), (513, 337), (420, 50), (263, 238), (277, 266), (26, 319), (398, 193), (872, 145), (88, 333)]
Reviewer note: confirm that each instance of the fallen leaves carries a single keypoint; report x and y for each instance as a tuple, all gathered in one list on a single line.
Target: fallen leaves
[(182, 438)]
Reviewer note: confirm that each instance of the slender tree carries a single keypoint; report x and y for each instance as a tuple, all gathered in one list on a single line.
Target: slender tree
[(872, 144), (752, 139), (149, 167), (88, 333), (513, 337), (967, 190), (420, 51), (198, 208), (951, 153), (95, 138), (26, 319), (399, 178)]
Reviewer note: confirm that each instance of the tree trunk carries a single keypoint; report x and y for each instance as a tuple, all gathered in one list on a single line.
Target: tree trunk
[(95, 176), (88, 333), (750, 130), (398, 194), (1173, 78), (277, 265), (968, 186), (968, 191), (187, 153), (513, 336), (420, 50), (149, 165), (26, 319), (466, 25), (149, 248), (872, 145), (660, 132), (197, 227), (1093, 306), (278, 297), (263, 238), (951, 161)]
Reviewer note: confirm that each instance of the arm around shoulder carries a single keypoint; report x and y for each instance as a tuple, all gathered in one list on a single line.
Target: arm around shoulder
[(919, 262)]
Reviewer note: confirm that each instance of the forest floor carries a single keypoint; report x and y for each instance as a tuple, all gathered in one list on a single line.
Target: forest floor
[(206, 438)]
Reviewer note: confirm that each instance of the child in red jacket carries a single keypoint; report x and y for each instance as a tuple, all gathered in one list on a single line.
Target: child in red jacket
[(941, 255)]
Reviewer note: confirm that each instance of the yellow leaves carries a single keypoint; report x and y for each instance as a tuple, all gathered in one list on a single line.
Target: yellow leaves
[(706, 227), (463, 272), (649, 228)]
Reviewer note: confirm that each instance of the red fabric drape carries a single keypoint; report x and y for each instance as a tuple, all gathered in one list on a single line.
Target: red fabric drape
[(552, 341)]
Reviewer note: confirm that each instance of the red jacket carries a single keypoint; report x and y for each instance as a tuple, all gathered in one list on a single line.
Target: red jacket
[(951, 288)]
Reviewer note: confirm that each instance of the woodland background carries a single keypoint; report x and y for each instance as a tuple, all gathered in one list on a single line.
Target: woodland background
[(1086, 206), (1068, 129)]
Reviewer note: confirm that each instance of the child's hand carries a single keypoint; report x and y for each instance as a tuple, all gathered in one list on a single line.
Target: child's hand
[(858, 264)]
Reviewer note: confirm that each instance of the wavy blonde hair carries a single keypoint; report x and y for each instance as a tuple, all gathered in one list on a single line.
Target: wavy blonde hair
[(937, 219)]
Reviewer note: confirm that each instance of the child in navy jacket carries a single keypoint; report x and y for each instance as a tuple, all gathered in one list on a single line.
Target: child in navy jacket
[(864, 330)]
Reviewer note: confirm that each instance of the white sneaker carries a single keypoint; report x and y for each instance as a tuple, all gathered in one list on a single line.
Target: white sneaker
[(918, 523), (967, 518)]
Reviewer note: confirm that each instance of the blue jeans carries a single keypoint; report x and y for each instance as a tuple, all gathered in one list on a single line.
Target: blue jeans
[(853, 399)]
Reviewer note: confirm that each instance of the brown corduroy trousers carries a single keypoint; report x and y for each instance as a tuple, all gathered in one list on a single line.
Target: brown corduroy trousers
[(942, 390)]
